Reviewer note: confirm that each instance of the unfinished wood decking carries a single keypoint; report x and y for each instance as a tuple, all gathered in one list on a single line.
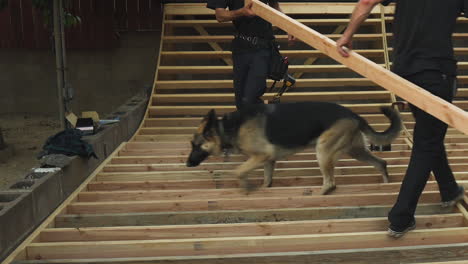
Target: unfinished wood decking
[(144, 206)]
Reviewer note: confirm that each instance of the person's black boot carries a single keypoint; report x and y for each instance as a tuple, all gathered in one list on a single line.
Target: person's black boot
[(460, 195)]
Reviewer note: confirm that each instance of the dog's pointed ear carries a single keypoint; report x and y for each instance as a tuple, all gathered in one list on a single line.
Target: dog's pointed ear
[(211, 123)]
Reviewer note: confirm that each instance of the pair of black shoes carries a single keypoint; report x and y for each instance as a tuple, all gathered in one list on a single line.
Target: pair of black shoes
[(397, 232)]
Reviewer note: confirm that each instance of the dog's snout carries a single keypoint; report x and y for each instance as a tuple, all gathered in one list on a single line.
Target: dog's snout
[(196, 157)]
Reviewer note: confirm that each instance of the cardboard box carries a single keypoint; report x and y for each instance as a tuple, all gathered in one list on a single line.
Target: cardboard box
[(88, 122)]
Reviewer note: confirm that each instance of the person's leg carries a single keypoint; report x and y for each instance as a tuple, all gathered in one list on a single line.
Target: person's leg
[(257, 76), (443, 174), (428, 154), (417, 173), (241, 66)]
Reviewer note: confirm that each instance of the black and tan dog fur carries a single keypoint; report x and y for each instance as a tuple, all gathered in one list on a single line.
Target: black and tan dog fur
[(267, 133)]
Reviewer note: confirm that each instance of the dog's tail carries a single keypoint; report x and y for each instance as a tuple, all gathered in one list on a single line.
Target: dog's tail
[(386, 137)]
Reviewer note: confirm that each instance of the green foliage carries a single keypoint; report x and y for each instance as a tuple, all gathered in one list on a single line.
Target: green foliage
[(3, 4), (46, 8)]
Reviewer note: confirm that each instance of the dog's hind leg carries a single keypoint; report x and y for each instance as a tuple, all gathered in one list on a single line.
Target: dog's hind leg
[(242, 171), (330, 146), (268, 173), (361, 153), (327, 162)]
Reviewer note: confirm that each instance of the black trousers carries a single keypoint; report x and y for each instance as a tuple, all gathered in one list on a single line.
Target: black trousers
[(250, 75), (428, 152)]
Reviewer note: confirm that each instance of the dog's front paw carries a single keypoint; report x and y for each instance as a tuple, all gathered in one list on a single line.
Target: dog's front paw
[(327, 189), (247, 187)]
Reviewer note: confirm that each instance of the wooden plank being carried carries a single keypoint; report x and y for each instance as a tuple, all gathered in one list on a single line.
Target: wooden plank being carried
[(434, 105)]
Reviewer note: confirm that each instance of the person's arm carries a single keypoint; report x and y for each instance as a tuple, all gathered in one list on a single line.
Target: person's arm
[(276, 5), (360, 14), (224, 15)]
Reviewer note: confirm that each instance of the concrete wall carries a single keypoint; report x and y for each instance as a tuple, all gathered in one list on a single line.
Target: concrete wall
[(102, 79)]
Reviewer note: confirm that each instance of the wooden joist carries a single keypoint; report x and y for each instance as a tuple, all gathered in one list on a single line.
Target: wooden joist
[(423, 253), (227, 54), (228, 193), (234, 216), (238, 230), (287, 97), (280, 38), (302, 83), (288, 8), (369, 53), (209, 246), (311, 22)]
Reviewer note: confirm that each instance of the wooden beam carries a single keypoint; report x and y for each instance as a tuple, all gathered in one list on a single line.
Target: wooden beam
[(289, 8), (393, 157), (434, 105), (279, 38), (167, 183), (210, 84), (228, 69), (283, 38), (206, 246), (224, 179), (235, 216), (105, 196), (240, 230), (306, 21), (223, 109), (246, 203), (287, 97), (311, 167), (289, 53), (388, 255), (195, 121)]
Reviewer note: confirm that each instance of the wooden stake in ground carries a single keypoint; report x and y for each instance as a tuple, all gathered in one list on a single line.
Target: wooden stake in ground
[(414, 94)]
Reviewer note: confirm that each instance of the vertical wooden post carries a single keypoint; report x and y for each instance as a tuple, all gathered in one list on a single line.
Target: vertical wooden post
[(58, 39)]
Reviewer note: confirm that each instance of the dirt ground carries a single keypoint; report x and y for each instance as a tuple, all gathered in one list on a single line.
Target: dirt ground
[(26, 134)]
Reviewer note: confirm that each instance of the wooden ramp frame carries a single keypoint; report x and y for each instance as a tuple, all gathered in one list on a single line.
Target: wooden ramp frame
[(142, 205)]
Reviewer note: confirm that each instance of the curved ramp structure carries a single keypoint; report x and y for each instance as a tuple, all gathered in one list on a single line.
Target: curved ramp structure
[(144, 206)]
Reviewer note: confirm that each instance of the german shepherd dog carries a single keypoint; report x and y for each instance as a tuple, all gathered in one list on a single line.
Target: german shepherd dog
[(267, 133)]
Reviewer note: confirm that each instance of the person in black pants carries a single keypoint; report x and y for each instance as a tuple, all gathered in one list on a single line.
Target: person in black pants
[(423, 54), (251, 47)]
